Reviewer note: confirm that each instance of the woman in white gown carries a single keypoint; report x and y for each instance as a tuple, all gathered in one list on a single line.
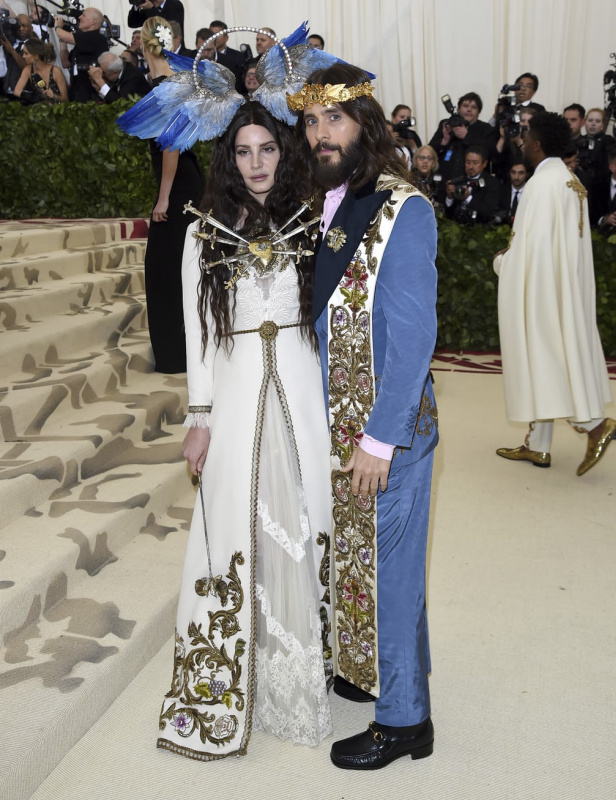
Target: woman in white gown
[(252, 645)]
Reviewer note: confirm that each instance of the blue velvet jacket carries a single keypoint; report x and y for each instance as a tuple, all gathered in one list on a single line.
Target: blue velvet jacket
[(403, 318)]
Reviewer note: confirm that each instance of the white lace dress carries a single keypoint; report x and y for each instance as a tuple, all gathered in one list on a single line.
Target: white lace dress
[(255, 654)]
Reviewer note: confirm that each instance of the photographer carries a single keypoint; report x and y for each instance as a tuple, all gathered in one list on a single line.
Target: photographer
[(402, 121), (114, 78), (463, 130), (602, 203), (592, 148), (509, 145), (528, 84), (15, 33), (167, 9), (88, 43), (473, 197)]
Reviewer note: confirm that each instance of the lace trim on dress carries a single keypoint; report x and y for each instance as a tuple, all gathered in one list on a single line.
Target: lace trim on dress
[(274, 628), (292, 678), (197, 419), (296, 550)]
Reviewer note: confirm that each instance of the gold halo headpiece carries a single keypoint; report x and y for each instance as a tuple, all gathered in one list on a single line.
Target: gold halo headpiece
[(327, 95)]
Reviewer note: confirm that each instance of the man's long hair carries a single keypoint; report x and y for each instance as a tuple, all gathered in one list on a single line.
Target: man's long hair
[(377, 146), (227, 199)]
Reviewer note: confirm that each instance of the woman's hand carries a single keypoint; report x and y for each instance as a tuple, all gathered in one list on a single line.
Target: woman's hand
[(160, 210), (194, 448)]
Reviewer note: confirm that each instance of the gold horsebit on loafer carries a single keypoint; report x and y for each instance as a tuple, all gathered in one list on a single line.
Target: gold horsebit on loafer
[(377, 735)]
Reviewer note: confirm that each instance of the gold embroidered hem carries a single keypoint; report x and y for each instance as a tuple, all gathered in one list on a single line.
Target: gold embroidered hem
[(196, 755)]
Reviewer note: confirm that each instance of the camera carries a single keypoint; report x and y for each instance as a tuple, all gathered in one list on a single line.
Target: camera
[(402, 127), (9, 26), (463, 182), (506, 113), (136, 2), (86, 67), (455, 120)]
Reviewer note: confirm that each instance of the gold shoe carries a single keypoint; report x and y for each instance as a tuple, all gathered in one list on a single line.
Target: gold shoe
[(522, 453), (595, 450)]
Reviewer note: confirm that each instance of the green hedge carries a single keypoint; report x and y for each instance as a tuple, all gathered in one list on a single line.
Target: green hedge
[(71, 160), (468, 285)]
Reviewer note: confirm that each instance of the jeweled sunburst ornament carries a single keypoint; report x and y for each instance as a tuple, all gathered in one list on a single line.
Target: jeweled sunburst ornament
[(262, 253)]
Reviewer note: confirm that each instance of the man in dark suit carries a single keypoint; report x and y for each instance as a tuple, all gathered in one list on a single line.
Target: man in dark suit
[(234, 60), (602, 208), (529, 84), (115, 78), (167, 9), (511, 191), (452, 143), (177, 43), (475, 200)]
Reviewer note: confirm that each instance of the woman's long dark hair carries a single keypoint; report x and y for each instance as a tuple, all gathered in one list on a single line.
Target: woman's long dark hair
[(378, 149), (227, 199)]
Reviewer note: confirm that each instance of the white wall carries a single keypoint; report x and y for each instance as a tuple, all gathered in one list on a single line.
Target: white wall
[(421, 49)]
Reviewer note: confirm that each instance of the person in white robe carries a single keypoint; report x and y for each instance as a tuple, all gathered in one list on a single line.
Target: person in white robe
[(553, 362)]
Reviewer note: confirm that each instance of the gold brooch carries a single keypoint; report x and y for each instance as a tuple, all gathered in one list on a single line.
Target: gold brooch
[(336, 239), (327, 95)]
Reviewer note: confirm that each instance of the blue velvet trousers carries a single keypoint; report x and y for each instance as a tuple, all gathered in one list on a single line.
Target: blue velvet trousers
[(404, 657)]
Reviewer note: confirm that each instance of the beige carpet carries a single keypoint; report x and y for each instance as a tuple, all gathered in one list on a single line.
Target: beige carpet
[(521, 611)]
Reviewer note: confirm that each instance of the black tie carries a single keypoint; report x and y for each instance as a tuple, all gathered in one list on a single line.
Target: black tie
[(514, 205)]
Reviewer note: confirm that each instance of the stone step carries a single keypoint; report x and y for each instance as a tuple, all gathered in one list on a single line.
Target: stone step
[(121, 428), (83, 529), (51, 267), (20, 308), (80, 647), (91, 329), (58, 384), (31, 237)]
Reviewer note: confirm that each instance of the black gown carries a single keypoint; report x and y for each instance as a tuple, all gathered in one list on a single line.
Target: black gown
[(163, 262)]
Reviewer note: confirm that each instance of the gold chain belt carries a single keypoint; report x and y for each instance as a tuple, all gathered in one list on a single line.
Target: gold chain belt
[(267, 329)]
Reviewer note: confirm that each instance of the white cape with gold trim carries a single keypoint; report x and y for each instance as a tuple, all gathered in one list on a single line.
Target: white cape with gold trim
[(553, 363)]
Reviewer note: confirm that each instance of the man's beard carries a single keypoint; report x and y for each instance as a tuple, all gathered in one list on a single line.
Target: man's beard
[(329, 175)]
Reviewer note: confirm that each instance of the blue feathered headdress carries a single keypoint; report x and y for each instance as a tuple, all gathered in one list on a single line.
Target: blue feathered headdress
[(199, 101)]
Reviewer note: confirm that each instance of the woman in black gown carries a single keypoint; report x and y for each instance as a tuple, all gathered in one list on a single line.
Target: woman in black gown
[(179, 180)]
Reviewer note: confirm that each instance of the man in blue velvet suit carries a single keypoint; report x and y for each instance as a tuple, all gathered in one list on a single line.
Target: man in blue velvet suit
[(374, 311)]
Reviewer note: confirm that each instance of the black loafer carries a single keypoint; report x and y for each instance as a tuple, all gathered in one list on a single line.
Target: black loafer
[(349, 691), (381, 744)]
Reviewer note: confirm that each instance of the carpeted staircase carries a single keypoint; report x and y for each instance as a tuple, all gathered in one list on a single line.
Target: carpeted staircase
[(95, 498)]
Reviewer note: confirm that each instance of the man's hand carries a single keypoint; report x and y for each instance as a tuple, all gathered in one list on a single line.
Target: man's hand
[(610, 219), (368, 472), (146, 6), (194, 448), (446, 134), (97, 79), (460, 131)]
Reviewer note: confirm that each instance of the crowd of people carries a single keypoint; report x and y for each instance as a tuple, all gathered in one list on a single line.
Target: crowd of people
[(83, 68), (475, 171)]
